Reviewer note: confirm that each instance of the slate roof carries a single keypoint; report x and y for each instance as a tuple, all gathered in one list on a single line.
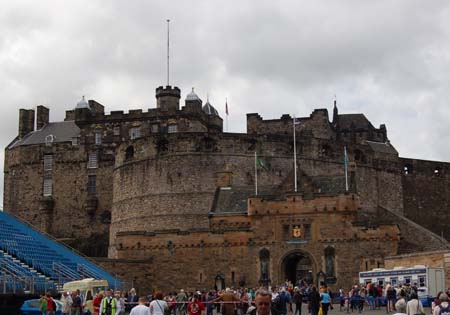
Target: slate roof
[(62, 131), (382, 147), (359, 121), (234, 199)]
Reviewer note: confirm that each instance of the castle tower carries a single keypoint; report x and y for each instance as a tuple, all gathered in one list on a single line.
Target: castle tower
[(168, 98)]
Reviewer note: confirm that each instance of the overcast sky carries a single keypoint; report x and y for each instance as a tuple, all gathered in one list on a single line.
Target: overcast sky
[(387, 59)]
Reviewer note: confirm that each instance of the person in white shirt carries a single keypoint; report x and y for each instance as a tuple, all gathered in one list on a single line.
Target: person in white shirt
[(158, 305), (141, 309), (414, 306)]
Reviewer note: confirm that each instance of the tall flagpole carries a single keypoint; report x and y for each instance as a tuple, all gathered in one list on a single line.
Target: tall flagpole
[(295, 158), (168, 21), (256, 176)]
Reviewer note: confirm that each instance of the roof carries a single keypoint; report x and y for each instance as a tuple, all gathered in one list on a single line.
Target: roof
[(234, 199), (359, 121), (62, 131), (382, 147), (210, 110)]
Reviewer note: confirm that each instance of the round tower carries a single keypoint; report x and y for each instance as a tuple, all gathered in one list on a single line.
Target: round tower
[(168, 98)]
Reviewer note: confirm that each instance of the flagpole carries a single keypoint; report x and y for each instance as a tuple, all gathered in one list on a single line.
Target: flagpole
[(256, 176), (295, 157), (345, 167)]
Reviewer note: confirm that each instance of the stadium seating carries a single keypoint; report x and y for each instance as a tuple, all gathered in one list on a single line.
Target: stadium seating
[(44, 263)]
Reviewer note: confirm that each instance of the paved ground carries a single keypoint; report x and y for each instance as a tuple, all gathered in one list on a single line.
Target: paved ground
[(366, 311)]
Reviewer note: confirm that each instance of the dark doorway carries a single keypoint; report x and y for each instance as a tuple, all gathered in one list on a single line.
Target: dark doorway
[(297, 267)]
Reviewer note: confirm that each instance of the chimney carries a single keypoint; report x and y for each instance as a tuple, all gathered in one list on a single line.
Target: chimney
[(42, 116), (26, 122)]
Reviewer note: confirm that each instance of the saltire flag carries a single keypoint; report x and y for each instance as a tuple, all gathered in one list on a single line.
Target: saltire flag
[(296, 121), (226, 107), (260, 163)]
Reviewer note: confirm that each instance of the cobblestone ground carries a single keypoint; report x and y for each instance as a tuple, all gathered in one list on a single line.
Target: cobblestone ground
[(366, 311)]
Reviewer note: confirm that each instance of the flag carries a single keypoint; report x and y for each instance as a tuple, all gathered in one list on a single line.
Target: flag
[(296, 121), (346, 160), (261, 164), (226, 107)]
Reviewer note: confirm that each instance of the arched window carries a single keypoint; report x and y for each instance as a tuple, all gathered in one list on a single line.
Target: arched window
[(329, 262), (129, 153), (264, 258)]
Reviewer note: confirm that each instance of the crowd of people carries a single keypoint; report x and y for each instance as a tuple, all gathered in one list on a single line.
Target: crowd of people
[(286, 299)]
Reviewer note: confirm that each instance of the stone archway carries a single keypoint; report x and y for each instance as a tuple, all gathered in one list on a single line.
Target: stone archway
[(298, 265)]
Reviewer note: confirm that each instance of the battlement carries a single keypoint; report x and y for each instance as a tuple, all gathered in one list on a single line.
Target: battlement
[(296, 204)]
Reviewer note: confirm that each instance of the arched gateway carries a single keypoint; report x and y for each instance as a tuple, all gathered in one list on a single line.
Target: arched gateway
[(298, 265)]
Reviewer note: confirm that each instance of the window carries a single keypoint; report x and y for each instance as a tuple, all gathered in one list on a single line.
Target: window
[(98, 137), (116, 131), (422, 281), (47, 187), (172, 129), (264, 258), (92, 184), (129, 153), (49, 140), (407, 169), (135, 133), (93, 160), (155, 128), (48, 162), (232, 277), (75, 141)]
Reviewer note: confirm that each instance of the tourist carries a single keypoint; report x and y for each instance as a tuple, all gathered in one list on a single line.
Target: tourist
[(141, 308), (414, 306), (325, 299), (158, 305), (390, 297), (120, 298), (400, 306), (281, 302), (96, 302), (51, 305), (444, 306), (132, 300), (263, 303), (77, 306), (246, 299), (181, 302), (298, 300), (314, 301), (109, 305), (228, 298), (195, 307), (43, 304), (66, 301)]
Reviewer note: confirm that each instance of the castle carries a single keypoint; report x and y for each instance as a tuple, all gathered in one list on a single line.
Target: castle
[(170, 198)]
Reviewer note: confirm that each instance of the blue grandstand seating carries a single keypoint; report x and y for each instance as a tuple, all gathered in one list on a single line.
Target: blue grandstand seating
[(26, 253)]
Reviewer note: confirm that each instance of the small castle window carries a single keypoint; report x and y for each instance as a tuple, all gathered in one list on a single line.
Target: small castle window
[(93, 160), (48, 162), (116, 131), (201, 277), (98, 137), (135, 133), (437, 171), (155, 128), (49, 140), (92, 184), (47, 186), (172, 129), (407, 169), (129, 153), (232, 277), (75, 141)]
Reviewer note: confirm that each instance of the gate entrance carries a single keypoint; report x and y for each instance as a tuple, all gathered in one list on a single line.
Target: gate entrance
[(298, 266)]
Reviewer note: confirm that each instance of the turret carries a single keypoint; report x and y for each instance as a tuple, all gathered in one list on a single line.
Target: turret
[(168, 98)]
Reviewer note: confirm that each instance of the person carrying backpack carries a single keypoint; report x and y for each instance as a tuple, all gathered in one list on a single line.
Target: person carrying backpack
[(444, 307)]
